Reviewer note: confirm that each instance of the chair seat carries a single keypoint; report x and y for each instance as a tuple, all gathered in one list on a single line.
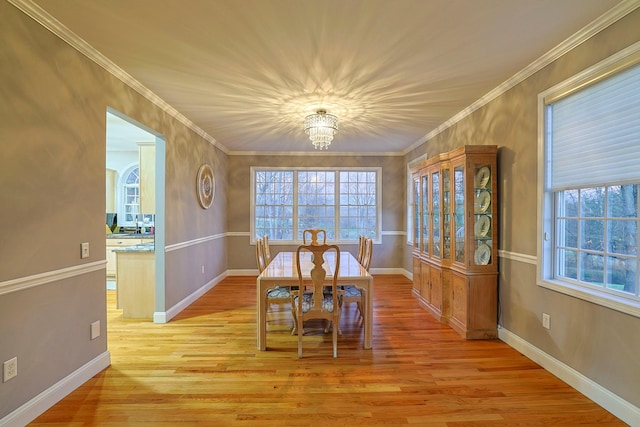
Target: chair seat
[(279, 292), (308, 303), (352, 291)]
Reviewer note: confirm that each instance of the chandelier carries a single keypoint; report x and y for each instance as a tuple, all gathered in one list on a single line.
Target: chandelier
[(321, 127)]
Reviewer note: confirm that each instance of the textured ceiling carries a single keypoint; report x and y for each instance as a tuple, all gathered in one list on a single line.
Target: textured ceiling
[(247, 72)]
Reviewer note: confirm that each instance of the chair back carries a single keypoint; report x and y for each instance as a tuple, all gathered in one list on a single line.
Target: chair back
[(313, 233), (368, 253), (361, 240), (312, 301), (260, 255), (266, 250)]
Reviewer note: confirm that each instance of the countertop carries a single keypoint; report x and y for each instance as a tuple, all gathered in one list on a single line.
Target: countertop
[(143, 247), (130, 236)]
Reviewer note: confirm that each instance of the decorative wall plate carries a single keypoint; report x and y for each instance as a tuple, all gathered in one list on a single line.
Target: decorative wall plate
[(483, 201), (482, 255), (482, 177), (205, 186), (482, 226)]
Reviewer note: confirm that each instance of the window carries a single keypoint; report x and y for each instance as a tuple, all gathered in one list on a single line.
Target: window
[(343, 202), (412, 222), (131, 192), (589, 185)]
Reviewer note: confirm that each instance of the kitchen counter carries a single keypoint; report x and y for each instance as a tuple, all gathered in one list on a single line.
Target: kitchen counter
[(130, 236), (142, 247)]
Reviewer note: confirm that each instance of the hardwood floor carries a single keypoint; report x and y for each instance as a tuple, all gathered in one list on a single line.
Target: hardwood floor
[(203, 368)]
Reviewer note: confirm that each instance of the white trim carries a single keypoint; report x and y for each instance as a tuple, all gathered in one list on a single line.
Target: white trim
[(238, 234), (52, 395), (514, 256), (165, 316), (27, 282), (46, 20), (393, 233), (607, 399), (194, 242), (318, 153)]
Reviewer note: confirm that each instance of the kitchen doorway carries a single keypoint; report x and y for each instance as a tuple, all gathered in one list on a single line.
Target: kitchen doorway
[(135, 189)]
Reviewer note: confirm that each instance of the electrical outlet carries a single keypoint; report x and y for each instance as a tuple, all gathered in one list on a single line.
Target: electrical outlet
[(10, 369), (84, 250), (95, 329), (203, 269), (546, 321)]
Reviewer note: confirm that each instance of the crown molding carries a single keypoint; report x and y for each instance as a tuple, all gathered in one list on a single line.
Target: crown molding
[(39, 15), (608, 18), (322, 153), (57, 28)]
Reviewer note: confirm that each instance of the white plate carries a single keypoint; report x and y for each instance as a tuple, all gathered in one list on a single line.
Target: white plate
[(482, 226), (482, 177), (482, 255), (483, 201)]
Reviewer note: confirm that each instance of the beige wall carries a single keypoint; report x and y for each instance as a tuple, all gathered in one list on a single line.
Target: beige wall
[(52, 198), (387, 255), (600, 343)]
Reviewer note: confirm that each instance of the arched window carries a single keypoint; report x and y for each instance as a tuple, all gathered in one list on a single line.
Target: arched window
[(131, 192)]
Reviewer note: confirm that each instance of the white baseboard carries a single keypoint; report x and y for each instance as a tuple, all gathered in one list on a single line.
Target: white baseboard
[(165, 316), (49, 397), (613, 403)]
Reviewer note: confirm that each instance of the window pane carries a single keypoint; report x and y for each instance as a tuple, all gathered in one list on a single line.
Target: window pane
[(592, 268), (568, 203), (621, 274), (622, 201), (568, 233), (568, 263), (592, 202), (591, 234), (621, 237)]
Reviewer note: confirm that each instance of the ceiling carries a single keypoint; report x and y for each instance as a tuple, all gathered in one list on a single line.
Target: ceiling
[(247, 72)]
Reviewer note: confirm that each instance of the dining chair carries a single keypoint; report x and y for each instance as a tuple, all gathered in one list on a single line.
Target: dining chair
[(310, 301), (314, 236), (277, 294), (351, 292), (266, 250), (361, 240)]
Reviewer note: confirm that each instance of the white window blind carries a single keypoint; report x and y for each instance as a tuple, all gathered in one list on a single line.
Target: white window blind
[(595, 133)]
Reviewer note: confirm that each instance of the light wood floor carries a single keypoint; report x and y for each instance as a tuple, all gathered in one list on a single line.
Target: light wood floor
[(203, 368)]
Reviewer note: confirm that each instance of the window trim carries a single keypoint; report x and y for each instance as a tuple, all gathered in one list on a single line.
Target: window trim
[(376, 169), (546, 216)]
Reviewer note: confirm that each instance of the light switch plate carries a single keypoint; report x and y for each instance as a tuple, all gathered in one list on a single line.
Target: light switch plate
[(95, 329), (84, 250)]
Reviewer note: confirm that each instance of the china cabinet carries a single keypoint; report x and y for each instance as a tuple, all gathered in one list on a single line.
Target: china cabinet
[(455, 242)]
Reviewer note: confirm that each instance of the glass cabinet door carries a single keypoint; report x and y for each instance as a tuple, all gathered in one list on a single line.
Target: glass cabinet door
[(425, 213), (458, 219), (416, 212), (482, 208), (446, 214), (436, 212)]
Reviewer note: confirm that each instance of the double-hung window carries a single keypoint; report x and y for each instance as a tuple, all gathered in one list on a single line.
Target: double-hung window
[(590, 177), (287, 201)]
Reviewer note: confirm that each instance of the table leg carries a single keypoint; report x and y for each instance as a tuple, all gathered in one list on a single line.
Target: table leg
[(368, 323), (261, 333)]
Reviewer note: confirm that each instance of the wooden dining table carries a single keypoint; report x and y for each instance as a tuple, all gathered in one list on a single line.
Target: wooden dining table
[(282, 271)]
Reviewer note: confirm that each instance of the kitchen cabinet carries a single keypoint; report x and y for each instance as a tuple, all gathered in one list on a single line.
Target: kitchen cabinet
[(455, 241), (147, 165), (136, 283)]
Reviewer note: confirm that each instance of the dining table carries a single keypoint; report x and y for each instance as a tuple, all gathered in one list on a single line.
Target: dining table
[(282, 271)]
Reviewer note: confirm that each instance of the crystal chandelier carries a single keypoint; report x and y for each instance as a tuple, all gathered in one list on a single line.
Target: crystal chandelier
[(321, 127)]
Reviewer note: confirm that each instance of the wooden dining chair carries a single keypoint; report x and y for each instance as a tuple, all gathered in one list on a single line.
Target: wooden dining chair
[(277, 294), (353, 293), (314, 233), (310, 300), (265, 249), (361, 240)]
